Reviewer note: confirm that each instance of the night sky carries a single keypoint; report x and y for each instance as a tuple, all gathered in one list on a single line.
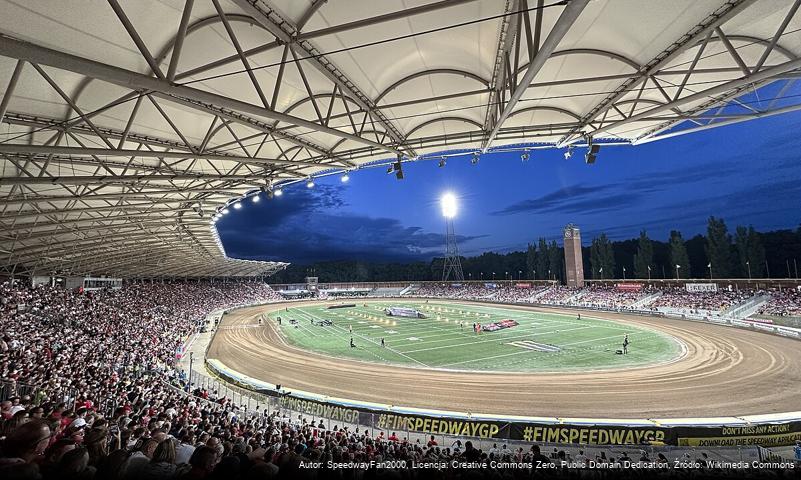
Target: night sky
[(748, 174)]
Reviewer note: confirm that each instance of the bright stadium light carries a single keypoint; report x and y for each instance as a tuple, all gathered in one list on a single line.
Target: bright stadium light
[(237, 205), (256, 198), (310, 183), (345, 177), (278, 192), (226, 211), (448, 204)]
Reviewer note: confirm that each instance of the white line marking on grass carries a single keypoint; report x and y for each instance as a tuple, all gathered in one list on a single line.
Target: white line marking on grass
[(472, 360), (594, 340), (493, 340), (366, 339)]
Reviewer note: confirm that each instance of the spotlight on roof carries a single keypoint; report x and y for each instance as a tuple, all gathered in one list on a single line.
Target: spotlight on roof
[(344, 178), (256, 198), (448, 204), (592, 151), (441, 163), (310, 183), (398, 168), (569, 152), (390, 169), (225, 211), (237, 205), (474, 160), (278, 192), (524, 156)]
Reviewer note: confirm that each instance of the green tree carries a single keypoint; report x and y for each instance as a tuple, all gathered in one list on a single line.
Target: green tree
[(602, 257), (644, 258), (678, 255), (719, 248), (741, 245), (756, 253), (555, 260), (542, 259), (750, 252), (595, 260), (607, 255), (531, 260)]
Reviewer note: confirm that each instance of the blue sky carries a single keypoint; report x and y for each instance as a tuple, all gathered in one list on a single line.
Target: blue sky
[(748, 173)]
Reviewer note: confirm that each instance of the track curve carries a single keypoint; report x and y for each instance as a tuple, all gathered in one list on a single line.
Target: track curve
[(726, 372)]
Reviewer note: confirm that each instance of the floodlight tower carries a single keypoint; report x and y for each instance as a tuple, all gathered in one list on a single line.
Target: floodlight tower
[(452, 269)]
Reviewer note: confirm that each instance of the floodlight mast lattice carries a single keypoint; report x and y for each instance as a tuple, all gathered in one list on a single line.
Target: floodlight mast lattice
[(452, 267)]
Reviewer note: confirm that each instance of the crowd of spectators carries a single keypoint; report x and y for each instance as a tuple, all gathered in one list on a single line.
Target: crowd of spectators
[(698, 302), (557, 295), (783, 303), (786, 302), (97, 367), (513, 294), (607, 297), (507, 293), (470, 291)]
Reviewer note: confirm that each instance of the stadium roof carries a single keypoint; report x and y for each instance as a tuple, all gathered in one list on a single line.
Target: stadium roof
[(126, 125)]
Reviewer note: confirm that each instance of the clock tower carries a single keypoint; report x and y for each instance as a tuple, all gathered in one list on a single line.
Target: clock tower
[(574, 264)]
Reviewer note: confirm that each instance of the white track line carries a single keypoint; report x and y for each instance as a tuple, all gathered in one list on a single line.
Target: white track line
[(373, 342)]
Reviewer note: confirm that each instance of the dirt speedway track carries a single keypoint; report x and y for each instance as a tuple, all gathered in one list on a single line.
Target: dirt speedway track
[(725, 372)]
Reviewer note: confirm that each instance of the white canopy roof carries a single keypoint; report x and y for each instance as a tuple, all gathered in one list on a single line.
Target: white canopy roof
[(126, 124)]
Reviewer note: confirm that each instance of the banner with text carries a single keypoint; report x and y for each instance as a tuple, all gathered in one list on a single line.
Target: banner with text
[(765, 435), (701, 287)]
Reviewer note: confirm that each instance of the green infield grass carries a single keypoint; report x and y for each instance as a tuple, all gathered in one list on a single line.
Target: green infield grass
[(445, 339)]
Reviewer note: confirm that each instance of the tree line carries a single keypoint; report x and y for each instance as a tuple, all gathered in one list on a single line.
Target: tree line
[(774, 254)]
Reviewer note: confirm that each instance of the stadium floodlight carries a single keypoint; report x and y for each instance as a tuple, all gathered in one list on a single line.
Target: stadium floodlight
[(256, 198), (237, 205), (278, 192), (474, 160), (524, 156), (225, 211), (592, 152), (441, 163), (398, 168), (569, 152), (448, 204), (310, 183), (345, 178)]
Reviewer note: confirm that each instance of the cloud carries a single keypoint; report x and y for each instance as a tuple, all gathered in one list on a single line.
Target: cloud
[(295, 202), (586, 198), (554, 201), (318, 231)]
